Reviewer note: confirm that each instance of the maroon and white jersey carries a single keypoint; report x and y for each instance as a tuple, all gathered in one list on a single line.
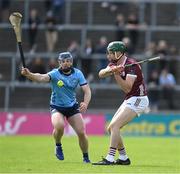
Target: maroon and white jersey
[(139, 88)]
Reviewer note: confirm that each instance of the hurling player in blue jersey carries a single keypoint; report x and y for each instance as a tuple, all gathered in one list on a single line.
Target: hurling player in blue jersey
[(64, 80)]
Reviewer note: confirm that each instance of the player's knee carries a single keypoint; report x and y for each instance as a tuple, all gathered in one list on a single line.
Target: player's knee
[(81, 132), (113, 127), (59, 126), (58, 132), (59, 129)]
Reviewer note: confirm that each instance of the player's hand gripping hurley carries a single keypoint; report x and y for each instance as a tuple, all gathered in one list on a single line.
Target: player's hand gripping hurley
[(15, 20), (120, 68)]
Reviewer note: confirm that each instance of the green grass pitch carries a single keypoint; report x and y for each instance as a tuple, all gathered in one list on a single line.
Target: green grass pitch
[(35, 154)]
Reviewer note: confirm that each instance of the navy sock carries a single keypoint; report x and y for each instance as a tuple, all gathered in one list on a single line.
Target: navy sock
[(85, 155), (58, 144)]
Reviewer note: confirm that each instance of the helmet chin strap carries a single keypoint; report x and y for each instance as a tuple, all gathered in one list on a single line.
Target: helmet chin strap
[(118, 57)]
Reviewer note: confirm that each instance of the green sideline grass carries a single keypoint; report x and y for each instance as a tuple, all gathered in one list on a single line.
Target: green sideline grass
[(35, 154)]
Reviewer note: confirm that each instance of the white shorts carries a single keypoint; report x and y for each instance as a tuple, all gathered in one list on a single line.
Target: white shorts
[(138, 104)]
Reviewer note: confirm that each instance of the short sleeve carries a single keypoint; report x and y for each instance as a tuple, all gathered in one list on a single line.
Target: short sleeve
[(82, 80), (52, 74)]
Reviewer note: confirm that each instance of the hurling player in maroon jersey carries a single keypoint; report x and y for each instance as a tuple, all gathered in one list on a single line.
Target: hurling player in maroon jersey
[(130, 80)]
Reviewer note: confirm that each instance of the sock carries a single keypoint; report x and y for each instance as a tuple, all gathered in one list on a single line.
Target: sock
[(122, 154), (85, 155), (58, 144), (111, 154)]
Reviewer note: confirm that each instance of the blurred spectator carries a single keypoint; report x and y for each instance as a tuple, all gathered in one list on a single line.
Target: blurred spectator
[(150, 50), (48, 5), (1, 76), (101, 48), (87, 60), (105, 4), (112, 6), (173, 50), (153, 92), (132, 27), (51, 32), (5, 7), (74, 49), (177, 20), (128, 44), (167, 82), (134, 6), (37, 66), (58, 12), (120, 23), (162, 50), (52, 63), (33, 29)]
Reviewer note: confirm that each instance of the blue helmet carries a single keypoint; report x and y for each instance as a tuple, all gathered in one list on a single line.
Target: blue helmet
[(65, 55)]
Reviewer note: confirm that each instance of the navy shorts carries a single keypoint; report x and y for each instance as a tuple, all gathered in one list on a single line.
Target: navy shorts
[(66, 111)]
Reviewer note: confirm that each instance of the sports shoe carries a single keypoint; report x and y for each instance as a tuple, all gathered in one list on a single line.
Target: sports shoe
[(104, 161), (86, 160), (59, 153), (123, 162)]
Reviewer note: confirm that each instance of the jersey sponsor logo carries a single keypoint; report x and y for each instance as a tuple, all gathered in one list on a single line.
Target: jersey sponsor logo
[(138, 100), (73, 82)]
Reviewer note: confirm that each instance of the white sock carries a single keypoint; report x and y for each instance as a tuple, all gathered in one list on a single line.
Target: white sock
[(122, 154), (110, 158), (123, 157)]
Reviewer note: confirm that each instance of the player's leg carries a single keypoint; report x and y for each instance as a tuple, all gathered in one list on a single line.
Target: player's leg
[(122, 152), (124, 116), (128, 110), (57, 121), (109, 160), (77, 123), (121, 117)]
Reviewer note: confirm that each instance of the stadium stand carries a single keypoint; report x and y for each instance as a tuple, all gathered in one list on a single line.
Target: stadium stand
[(84, 19)]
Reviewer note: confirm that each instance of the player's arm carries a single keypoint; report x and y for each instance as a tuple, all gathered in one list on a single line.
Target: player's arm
[(87, 97), (35, 76), (105, 72), (110, 70), (127, 84)]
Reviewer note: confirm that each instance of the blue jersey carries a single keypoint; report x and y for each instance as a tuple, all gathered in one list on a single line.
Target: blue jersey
[(63, 86)]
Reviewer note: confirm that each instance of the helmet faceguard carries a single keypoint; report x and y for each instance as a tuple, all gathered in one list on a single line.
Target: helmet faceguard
[(64, 56), (116, 46)]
